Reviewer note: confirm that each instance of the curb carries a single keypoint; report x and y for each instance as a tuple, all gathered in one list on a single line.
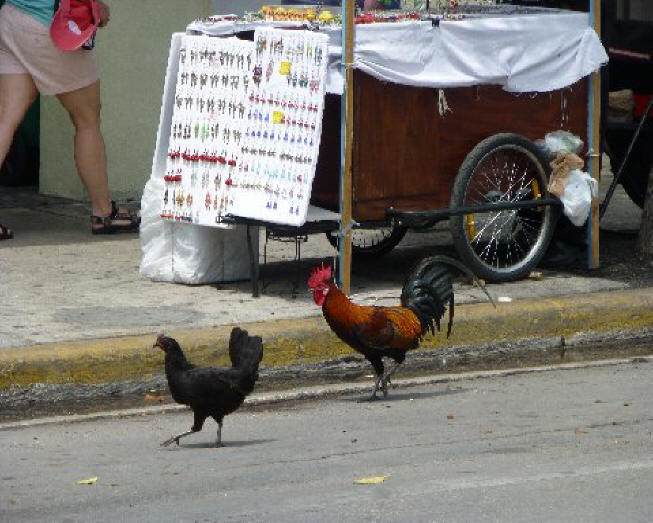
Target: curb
[(304, 341), (321, 391)]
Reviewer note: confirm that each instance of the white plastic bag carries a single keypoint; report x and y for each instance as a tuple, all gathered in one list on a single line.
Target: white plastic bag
[(190, 254), (580, 187), (560, 142)]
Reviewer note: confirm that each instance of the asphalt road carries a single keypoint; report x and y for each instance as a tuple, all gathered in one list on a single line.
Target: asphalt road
[(572, 445)]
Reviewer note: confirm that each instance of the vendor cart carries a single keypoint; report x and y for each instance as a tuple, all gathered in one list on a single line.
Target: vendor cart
[(437, 138), (477, 166)]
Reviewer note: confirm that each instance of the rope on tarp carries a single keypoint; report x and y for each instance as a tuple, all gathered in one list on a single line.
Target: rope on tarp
[(443, 105)]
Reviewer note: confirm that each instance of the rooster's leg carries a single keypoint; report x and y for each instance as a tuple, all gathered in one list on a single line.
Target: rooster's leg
[(385, 381), (377, 363), (377, 386)]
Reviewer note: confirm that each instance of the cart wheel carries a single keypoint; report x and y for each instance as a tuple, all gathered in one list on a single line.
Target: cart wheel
[(502, 245), (369, 243)]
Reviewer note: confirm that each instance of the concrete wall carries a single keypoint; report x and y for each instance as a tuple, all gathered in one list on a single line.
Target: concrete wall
[(132, 52)]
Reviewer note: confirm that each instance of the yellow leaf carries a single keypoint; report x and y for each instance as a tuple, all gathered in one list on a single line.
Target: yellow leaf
[(88, 481), (374, 480)]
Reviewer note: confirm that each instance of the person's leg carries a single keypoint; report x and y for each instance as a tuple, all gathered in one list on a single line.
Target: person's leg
[(17, 93), (83, 106)]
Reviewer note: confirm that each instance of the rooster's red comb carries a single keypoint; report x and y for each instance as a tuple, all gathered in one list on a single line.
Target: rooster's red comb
[(319, 275)]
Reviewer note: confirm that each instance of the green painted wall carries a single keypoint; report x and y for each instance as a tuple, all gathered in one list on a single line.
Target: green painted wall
[(132, 52)]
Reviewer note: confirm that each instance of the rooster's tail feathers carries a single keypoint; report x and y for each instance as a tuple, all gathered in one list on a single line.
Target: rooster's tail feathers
[(428, 290), (245, 351)]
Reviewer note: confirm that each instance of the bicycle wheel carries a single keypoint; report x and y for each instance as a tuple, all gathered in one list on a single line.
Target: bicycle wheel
[(370, 243), (502, 245)]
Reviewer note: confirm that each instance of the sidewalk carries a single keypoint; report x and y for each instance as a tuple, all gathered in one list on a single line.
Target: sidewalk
[(74, 308)]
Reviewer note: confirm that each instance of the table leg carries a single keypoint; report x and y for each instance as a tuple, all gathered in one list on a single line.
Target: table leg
[(253, 262)]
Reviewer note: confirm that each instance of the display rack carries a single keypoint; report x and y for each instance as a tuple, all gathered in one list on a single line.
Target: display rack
[(246, 128)]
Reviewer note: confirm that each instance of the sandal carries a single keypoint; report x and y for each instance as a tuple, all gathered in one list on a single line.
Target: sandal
[(118, 221), (6, 233)]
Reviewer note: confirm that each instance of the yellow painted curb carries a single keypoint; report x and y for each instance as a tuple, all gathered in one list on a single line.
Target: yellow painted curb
[(309, 340)]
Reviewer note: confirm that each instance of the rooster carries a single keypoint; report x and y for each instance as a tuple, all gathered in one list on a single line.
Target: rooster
[(378, 332), (209, 391)]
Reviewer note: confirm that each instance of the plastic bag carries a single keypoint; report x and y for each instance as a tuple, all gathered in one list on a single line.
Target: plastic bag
[(560, 142), (191, 254), (580, 187)]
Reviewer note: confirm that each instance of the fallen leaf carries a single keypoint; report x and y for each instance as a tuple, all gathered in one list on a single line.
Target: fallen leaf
[(153, 397), (578, 432), (87, 481), (374, 480)]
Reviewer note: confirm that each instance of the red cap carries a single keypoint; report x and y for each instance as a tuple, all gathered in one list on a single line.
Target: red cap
[(74, 23)]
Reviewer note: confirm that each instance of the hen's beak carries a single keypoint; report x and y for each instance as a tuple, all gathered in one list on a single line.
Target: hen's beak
[(157, 343)]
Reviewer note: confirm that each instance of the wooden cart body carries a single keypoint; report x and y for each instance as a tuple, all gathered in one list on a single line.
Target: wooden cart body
[(406, 155)]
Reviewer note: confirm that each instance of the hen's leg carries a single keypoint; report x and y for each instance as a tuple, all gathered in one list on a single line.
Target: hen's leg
[(218, 441), (197, 426), (175, 439)]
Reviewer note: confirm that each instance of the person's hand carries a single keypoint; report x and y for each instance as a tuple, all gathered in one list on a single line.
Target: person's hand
[(104, 11)]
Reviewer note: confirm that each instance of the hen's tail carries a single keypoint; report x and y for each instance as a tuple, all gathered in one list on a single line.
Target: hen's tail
[(428, 290), (245, 352)]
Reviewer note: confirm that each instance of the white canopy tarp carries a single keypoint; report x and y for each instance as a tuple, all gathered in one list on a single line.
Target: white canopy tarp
[(537, 52)]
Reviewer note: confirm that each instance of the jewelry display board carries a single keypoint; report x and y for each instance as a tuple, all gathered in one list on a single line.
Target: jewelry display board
[(246, 127)]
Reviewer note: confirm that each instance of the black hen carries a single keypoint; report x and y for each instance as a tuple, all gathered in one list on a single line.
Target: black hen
[(209, 391)]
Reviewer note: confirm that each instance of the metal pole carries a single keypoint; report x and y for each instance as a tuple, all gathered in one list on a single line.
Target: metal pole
[(593, 143), (346, 145)]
